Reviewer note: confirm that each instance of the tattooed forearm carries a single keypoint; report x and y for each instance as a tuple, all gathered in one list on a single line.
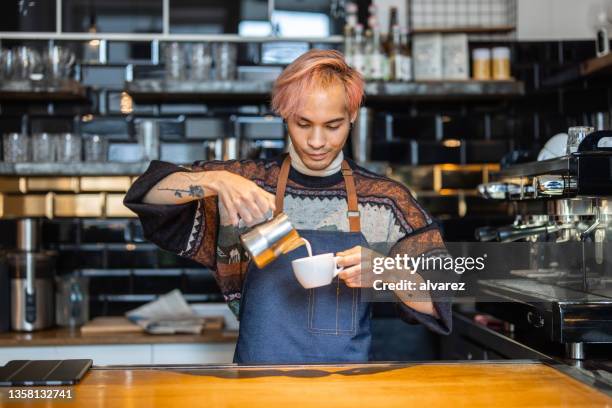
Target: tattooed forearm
[(180, 188), (194, 191)]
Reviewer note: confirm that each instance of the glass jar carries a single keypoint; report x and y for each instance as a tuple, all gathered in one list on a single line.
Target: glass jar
[(481, 64)]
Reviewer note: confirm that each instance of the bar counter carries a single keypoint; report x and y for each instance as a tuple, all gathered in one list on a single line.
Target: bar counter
[(468, 384), (65, 337)]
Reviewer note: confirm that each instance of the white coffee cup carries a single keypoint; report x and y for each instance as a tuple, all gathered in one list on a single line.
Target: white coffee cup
[(315, 271)]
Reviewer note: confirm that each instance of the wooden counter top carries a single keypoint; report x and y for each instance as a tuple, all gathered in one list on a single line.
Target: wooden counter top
[(473, 385), (68, 337)]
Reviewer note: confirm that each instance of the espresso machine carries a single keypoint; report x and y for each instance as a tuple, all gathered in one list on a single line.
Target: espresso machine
[(563, 208)]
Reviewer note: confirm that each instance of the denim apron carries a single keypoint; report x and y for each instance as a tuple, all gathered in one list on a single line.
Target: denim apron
[(283, 323)]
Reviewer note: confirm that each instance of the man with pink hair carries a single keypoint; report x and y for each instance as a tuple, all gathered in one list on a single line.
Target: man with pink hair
[(337, 205)]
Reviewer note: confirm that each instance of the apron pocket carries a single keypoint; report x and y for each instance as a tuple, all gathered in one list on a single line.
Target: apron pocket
[(332, 309)]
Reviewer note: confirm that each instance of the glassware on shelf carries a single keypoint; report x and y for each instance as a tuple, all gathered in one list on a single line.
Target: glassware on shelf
[(7, 64), (43, 147), (95, 148), (16, 147), (72, 300), (68, 148), (174, 61), (201, 62), (225, 61), (58, 62), (27, 63)]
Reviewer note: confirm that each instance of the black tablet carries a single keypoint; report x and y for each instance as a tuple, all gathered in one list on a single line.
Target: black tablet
[(43, 372)]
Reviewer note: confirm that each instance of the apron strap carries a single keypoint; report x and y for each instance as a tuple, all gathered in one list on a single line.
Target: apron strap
[(351, 197), (281, 184), (351, 192)]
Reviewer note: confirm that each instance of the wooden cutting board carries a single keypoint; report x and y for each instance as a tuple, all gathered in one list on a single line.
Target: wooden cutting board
[(120, 324), (110, 324)]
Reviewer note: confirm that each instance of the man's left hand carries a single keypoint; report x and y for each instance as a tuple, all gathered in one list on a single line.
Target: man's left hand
[(351, 259)]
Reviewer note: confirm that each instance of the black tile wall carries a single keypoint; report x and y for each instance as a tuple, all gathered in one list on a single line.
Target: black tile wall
[(487, 130)]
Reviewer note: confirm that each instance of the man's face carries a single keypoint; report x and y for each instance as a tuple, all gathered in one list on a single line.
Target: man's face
[(319, 130)]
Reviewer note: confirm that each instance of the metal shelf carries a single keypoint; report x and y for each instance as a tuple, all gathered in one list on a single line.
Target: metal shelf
[(43, 90), (73, 169), (140, 37), (466, 29), (435, 90), (161, 90)]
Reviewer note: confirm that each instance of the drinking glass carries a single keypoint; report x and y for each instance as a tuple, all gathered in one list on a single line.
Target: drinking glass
[(43, 147), (68, 148), (201, 61), (7, 64), (225, 61), (16, 147), (27, 63), (174, 61), (95, 148), (58, 62)]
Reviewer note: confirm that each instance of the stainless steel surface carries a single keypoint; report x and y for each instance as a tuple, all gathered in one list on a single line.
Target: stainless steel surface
[(31, 282), (148, 138), (575, 351), (265, 235), (498, 190), (575, 135), (73, 169), (42, 308), (28, 234), (568, 292), (361, 135), (579, 207), (553, 185), (231, 148)]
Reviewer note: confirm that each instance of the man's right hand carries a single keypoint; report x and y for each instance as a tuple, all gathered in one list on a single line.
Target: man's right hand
[(239, 198)]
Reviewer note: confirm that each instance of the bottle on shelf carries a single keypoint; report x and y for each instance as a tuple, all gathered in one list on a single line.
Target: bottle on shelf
[(395, 55), (349, 44), (368, 52), (359, 58), (406, 53), (349, 32), (351, 14), (378, 58), (393, 21)]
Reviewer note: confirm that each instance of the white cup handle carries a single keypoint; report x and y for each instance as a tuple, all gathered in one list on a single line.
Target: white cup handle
[(337, 269)]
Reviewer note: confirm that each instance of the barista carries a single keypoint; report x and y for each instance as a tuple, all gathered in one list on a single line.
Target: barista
[(337, 205)]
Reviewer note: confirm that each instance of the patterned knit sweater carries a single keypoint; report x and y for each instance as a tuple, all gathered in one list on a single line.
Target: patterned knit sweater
[(391, 221)]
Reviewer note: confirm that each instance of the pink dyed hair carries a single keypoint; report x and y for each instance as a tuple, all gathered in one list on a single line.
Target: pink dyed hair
[(315, 68)]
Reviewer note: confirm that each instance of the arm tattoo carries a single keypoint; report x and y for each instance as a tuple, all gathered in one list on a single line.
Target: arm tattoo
[(193, 191)]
